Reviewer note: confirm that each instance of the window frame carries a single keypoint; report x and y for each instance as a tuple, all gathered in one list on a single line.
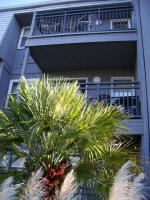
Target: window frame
[(124, 78), (76, 79), (120, 20), (21, 36), (17, 81), (81, 78), (11, 86), (14, 165)]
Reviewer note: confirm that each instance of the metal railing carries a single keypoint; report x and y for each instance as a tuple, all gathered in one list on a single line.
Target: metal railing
[(124, 94), (85, 20)]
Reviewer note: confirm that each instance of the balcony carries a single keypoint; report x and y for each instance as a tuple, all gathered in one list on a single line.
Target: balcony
[(105, 35), (85, 21), (123, 94)]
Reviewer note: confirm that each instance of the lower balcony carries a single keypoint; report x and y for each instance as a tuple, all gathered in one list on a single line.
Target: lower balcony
[(123, 94)]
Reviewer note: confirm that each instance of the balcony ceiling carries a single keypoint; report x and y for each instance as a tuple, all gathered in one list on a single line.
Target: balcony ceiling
[(24, 19), (85, 56)]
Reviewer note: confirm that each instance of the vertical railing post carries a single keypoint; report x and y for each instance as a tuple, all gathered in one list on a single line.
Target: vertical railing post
[(33, 24), (97, 91), (99, 19), (9, 161), (64, 25), (133, 20), (25, 60)]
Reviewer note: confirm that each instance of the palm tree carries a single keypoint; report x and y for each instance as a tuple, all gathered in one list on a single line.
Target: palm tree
[(52, 119)]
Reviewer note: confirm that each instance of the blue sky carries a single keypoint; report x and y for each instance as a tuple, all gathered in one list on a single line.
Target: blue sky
[(4, 3)]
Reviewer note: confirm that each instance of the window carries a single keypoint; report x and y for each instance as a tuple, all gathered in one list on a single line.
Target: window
[(121, 88), (125, 94), (117, 24), (13, 88), (23, 37), (81, 83), (18, 163)]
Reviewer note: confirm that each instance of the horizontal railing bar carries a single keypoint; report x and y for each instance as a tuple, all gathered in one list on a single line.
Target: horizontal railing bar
[(77, 33), (91, 88), (109, 83), (129, 7), (50, 16), (74, 13)]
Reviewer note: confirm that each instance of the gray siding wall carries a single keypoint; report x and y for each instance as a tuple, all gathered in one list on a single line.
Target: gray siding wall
[(104, 74), (31, 68), (9, 52), (12, 57), (10, 42), (5, 19), (32, 71)]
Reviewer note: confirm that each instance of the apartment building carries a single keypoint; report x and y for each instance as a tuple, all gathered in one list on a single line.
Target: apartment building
[(103, 44)]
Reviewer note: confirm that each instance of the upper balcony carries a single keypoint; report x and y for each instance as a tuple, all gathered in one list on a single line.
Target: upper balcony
[(58, 38), (85, 21)]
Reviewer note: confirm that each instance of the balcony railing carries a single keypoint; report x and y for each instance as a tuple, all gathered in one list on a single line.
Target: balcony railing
[(85, 21), (124, 94)]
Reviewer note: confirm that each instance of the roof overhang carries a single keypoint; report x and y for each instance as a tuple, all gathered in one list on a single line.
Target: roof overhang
[(66, 3)]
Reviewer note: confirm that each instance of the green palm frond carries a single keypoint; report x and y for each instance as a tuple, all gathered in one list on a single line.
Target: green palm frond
[(53, 120)]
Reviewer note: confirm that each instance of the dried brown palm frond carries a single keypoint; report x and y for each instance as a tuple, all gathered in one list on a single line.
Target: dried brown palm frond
[(7, 191), (35, 187), (68, 188)]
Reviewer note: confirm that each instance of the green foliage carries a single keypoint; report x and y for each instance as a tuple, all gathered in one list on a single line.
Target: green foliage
[(18, 174), (52, 119)]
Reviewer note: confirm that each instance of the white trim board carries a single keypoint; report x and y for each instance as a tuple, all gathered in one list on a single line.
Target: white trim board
[(11, 85), (120, 20), (17, 81), (125, 78)]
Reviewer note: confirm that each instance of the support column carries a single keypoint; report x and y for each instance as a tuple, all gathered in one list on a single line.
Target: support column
[(27, 50), (143, 72), (25, 60), (33, 23)]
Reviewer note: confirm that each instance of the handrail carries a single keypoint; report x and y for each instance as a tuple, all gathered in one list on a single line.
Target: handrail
[(84, 20), (87, 9), (124, 94)]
